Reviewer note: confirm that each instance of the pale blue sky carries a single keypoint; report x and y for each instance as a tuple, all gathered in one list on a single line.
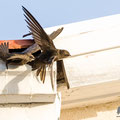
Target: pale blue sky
[(50, 13)]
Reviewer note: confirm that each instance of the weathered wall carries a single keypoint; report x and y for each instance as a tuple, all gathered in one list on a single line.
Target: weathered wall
[(106, 111)]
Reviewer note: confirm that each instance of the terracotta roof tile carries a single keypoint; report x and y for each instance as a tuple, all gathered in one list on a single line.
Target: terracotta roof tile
[(18, 44)]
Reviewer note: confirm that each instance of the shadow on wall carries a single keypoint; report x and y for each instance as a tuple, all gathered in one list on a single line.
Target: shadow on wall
[(12, 86), (91, 112)]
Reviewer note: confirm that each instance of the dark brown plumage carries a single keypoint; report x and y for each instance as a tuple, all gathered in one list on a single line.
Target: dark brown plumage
[(27, 34), (52, 36), (49, 52), (35, 47), (9, 58)]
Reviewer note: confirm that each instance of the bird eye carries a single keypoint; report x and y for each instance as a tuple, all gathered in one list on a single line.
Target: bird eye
[(31, 57)]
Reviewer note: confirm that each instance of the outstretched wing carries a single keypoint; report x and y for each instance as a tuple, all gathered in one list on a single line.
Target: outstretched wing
[(4, 50), (32, 49), (25, 35), (17, 57), (39, 35), (21, 56), (54, 34), (35, 47)]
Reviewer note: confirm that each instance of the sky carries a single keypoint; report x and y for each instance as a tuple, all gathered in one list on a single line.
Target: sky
[(50, 13)]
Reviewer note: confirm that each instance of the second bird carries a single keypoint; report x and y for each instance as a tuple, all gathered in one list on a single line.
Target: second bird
[(49, 52)]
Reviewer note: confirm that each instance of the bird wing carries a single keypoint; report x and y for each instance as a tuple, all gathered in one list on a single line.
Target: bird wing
[(17, 56), (25, 35), (54, 34), (4, 50), (35, 47), (39, 35), (32, 49)]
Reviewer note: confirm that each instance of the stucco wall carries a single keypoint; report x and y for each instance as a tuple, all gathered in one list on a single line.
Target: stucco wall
[(106, 111)]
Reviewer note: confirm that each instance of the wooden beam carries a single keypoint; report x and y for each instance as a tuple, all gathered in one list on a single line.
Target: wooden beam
[(61, 73)]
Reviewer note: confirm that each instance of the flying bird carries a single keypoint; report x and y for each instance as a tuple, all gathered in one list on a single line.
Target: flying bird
[(49, 53), (34, 48), (10, 58)]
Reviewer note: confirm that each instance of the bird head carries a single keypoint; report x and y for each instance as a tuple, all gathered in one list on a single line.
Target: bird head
[(63, 54), (31, 57)]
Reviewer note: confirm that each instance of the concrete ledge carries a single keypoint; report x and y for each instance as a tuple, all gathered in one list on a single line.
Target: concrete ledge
[(90, 94), (33, 111), (26, 98), (19, 84)]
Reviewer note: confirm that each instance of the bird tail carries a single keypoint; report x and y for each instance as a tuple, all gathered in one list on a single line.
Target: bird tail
[(42, 72)]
